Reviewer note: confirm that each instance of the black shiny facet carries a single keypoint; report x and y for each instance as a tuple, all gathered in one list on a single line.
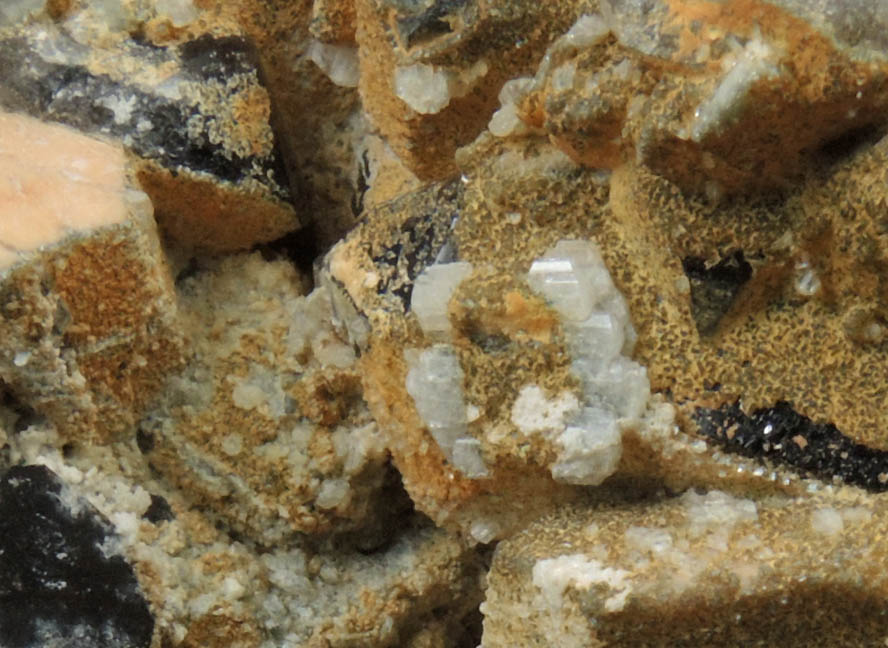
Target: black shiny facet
[(782, 435), (57, 585)]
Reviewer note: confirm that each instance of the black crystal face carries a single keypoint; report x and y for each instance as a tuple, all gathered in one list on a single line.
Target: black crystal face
[(429, 23), (217, 58), (421, 241), (151, 121), (782, 435), (714, 288), (57, 586), (159, 510)]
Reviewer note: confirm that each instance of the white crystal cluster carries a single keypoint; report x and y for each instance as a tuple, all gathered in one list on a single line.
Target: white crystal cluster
[(428, 89), (587, 31), (435, 382), (572, 276)]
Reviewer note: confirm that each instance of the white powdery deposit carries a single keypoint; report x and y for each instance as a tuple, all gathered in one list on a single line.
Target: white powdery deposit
[(716, 511), (553, 576), (431, 295), (435, 382), (573, 278)]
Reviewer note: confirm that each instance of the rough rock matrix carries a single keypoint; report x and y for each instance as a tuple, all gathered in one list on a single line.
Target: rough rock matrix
[(443, 323)]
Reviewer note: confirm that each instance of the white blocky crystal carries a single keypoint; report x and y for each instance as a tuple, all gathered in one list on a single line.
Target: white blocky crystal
[(598, 339), (573, 277), (425, 88), (338, 62), (621, 387), (755, 62), (435, 382), (467, 458), (554, 576), (591, 449), (431, 295)]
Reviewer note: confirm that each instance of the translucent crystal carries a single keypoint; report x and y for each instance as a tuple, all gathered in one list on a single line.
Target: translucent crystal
[(424, 88), (339, 62), (573, 277), (591, 448), (435, 381), (622, 387), (467, 458), (598, 340), (431, 295)]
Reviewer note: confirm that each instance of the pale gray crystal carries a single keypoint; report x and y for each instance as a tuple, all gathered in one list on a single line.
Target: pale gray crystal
[(435, 382)]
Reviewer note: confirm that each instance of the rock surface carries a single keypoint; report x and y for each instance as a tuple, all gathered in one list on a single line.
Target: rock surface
[(87, 310), (581, 335)]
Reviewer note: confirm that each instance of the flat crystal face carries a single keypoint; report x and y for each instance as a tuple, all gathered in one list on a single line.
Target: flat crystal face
[(432, 292), (573, 277), (434, 381)]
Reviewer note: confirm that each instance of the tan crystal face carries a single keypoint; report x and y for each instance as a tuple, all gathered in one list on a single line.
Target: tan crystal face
[(54, 182)]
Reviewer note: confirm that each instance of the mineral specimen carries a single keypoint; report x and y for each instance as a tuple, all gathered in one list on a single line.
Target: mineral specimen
[(266, 424), (52, 546), (697, 570), (195, 115), (88, 316), (586, 319)]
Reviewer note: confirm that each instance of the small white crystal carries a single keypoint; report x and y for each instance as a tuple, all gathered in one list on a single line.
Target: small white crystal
[(505, 122), (588, 30), (21, 358), (622, 387), (431, 295), (533, 412), (514, 90), (572, 276), (425, 88), (435, 381), (754, 63), (598, 339), (553, 576), (484, 531), (716, 511), (827, 521), (332, 493), (467, 458), (591, 449), (338, 62)]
